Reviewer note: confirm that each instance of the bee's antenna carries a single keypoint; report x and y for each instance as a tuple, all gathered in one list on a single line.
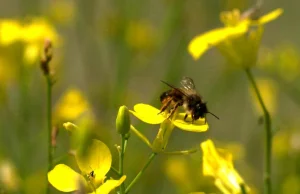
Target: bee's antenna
[(213, 115)]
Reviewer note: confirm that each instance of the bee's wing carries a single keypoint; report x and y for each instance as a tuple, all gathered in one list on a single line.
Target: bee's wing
[(178, 89), (188, 85)]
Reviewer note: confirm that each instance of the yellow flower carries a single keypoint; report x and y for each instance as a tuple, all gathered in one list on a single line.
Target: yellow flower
[(94, 165), (72, 105), (283, 61), (63, 12), (150, 115), (32, 34), (10, 31), (38, 30), (218, 164), (9, 178), (140, 35), (229, 39)]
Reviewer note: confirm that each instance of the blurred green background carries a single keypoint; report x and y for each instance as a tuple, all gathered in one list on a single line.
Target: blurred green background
[(116, 52)]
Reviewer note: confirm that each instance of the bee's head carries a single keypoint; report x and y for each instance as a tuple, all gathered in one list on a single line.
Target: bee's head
[(200, 111)]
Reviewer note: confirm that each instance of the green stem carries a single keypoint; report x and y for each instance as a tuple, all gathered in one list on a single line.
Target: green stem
[(268, 136), (243, 189), (137, 177), (121, 162), (113, 169), (49, 121)]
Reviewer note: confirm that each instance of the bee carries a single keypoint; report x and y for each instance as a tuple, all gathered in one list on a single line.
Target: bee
[(91, 175), (187, 97)]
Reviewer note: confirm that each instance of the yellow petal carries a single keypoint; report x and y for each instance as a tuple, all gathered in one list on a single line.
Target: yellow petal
[(31, 53), (72, 105), (197, 126), (270, 16), (63, 178), (39, 29), (97, 159), (109, 185), (203, 42), (147, 114), (10, 31), (218, 164)]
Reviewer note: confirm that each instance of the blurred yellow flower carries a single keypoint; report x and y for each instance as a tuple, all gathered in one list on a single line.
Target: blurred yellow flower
[(218, 163), (10, 31), (32, 34), (62, 11), (94, 165), (140, 35), (32, 53), (237, 48), (9, 178), (268, 92), (150, 115), (284, 61), (72, 105), (291, 184), (281, 143), (177, 169)]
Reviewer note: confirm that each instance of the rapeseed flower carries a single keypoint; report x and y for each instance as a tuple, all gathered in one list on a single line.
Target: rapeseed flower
[(94, 165), (72, 106), (218, 163), (150, 115), (32, 34), (238, 40)]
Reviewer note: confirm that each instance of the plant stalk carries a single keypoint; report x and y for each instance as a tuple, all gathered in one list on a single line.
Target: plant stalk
[(49, 123), (268, 136), (121, 162), (137, 177)]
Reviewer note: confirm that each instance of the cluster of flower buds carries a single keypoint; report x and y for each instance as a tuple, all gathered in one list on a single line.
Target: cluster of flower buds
[(47, 56)]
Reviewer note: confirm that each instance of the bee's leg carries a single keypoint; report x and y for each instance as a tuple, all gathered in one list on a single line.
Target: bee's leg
[(165, 106), (185, 116), (174, 109)]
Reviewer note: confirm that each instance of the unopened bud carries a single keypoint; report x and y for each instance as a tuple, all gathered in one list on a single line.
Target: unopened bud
[(70, 126), (123, 121), (47, 56)]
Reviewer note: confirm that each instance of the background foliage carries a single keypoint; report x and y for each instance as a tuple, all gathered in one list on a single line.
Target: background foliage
[(115, 53)]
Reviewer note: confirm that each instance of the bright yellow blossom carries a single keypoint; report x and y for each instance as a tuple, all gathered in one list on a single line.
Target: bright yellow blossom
[(218, 163), (229, 40), (72, 105), (150, 115), (32, 34), (10, 31), (94, 165)]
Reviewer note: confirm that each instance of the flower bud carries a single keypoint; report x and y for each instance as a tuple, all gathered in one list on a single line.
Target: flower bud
[(123, 121), (70, 126)]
